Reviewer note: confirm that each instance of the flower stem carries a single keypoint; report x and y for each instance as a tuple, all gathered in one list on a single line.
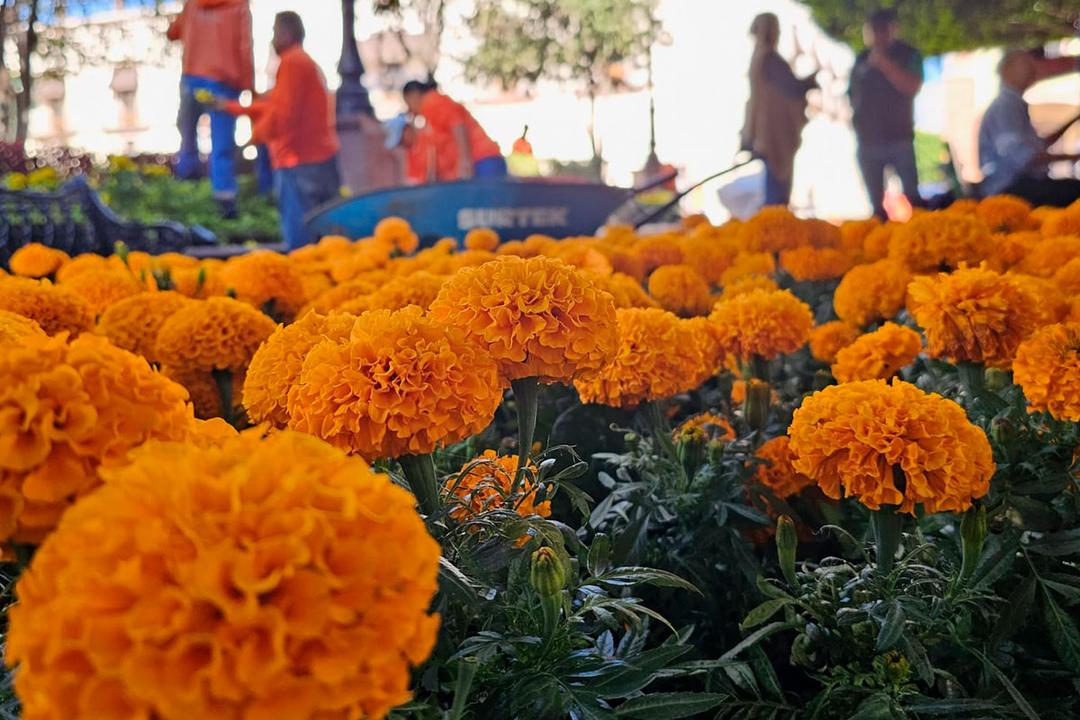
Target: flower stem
[(223, 380), (658, 425), (887, 525), (526, 396), (420, 474)]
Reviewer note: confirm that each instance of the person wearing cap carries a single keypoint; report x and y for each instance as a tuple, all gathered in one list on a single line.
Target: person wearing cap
[(295, 121), (455, 132), (217, 62)]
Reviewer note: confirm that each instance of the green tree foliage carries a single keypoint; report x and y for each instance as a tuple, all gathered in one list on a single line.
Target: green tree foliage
[(937, 26)]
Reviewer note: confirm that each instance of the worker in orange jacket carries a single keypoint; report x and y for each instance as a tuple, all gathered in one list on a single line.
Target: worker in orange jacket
[(216, 35), (296, 123), (455, 132)]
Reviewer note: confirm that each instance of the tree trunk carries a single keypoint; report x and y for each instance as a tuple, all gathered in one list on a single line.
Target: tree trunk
[(26, 52), (596, 162)]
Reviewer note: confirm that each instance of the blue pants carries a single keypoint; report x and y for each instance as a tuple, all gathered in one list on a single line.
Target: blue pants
[(222, 135), (301, 189), (900, 156), (777, 191), (264, 172), (490, 167)]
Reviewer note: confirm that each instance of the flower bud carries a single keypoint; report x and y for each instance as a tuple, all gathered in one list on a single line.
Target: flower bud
[(996, 379), (547, 575), (756, 405), (972, 535), (787, 542), (1001, 431)]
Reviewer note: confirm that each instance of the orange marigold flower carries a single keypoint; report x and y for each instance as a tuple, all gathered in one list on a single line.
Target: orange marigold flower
[(419, 288), (134, 322), (773, 229), (482, 239), (879, 354), (267, 281), (340, 294), (626, 291), (627, 263), (972, 315), (1047, 368), (748, 264), (1058, 223), (853, 234), (212, 432), (13, 327), (708, 344), (939, 240), (644, 367), (584, 257), (54, 308), (272, 578), (398, 234), (810, 263), (65, 410), (276, 365), (681, 290), (538, 317), (88, 261), (366, 256), (762, 324), (35, 260), (1067, 278), (709, 256), (215, 334), (822, 233), (1050, 303), (484, 483), (876, 243), (1005, 214), (871, 292), (891, 445), (776, 472), (706, 427), (315, 283), (1011, 249), (832, 337), (657, 250), (198, 281), (102, 288), (748, 284), (963, 206), (1046, 257), (401, 383)]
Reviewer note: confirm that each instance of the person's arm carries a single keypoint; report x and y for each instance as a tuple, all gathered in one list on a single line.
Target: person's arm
[(903, 79), (461, 139), (779, 74), (245, 53), (176, 27)]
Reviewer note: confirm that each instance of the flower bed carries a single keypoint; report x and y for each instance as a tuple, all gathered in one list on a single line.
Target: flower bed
[(769, 469)]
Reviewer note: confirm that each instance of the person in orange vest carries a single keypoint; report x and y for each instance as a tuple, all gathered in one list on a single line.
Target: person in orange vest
[(417, 152), (455, 132), (295, 121), (217, 60)]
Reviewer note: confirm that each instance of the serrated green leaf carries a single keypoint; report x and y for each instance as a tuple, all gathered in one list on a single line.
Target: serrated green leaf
[(599, 559), (628, 677), (1020, 601), (875, 707), (668, 706), (634, 575), (763, 612), (756, 637), (1057, 544), (892, 628), (1063, 632)]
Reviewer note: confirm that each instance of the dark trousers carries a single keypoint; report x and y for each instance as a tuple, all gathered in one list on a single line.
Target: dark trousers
[(300, 190), (777, 191), (222, 135), (1046, 191), (900, 156)]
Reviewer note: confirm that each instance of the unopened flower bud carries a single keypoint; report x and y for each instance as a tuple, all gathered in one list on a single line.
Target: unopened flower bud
[(787, 542), (547, 576), (756, 405)]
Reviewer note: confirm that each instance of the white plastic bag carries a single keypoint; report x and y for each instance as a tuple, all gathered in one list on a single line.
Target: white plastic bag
[(744, 196)]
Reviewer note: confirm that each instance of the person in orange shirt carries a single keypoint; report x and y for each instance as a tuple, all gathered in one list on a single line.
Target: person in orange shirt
[(455, 132), (216, 35), (295, 121), (416, 151)]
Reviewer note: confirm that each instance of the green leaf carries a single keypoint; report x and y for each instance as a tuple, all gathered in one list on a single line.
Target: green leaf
[(1057, 544), (892, 628), (668, 706), (756, 637), (599, 559), (1017, 696), (453, 581), (875, 707), (763, 612), (1063, 632), (626, 678), (1019, 605), (765, 672), (916, 655), (967, 707), (634, 575), (579, 499)]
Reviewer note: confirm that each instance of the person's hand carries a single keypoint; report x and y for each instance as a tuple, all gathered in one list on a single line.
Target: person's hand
[(877, 58)]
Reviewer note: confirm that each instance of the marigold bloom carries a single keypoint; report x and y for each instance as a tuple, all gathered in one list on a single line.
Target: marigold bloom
[(65, 410), (102, 288), (748, 284), (776, 473), (397, 233), (627, 263), (871, 292), (626, 291), (484, 483), (215, 334), (35, 260), (267, 281), (810, 263), (54, 308), (265, 578), (644, 367), (1011, 249), (1046, 257), (1062, 222), (747, 264), (832, 337), (822, 233), (199, 281), (706, 427), (1067, 278), (367, 255), (681, 290), (773, 229), (762, 324), (400, 384), (537, 317), (1050, 304), (657, 250), (853, 234), (891, 445), (275, 366), (972, 315), (709, 256), (876, 243), (482, 239), (940, 240), (88, 261), (1005, 214), (879, 354), (419, 288), (1047, 368), (708, 344), (13, 327), (339, 295), (134, 322)]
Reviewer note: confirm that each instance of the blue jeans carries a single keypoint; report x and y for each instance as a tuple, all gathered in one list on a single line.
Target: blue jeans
[(301, 189), (490, 167), (900, 156), (222, 135), (264, 172), (777, 191)]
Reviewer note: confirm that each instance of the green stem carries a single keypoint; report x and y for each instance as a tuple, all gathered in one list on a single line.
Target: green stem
[(420, 474), (552, 607), (972, 377), (888, 525), (658, 424), (467, 668), (526, 397), (223, 380), (759, 368)]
